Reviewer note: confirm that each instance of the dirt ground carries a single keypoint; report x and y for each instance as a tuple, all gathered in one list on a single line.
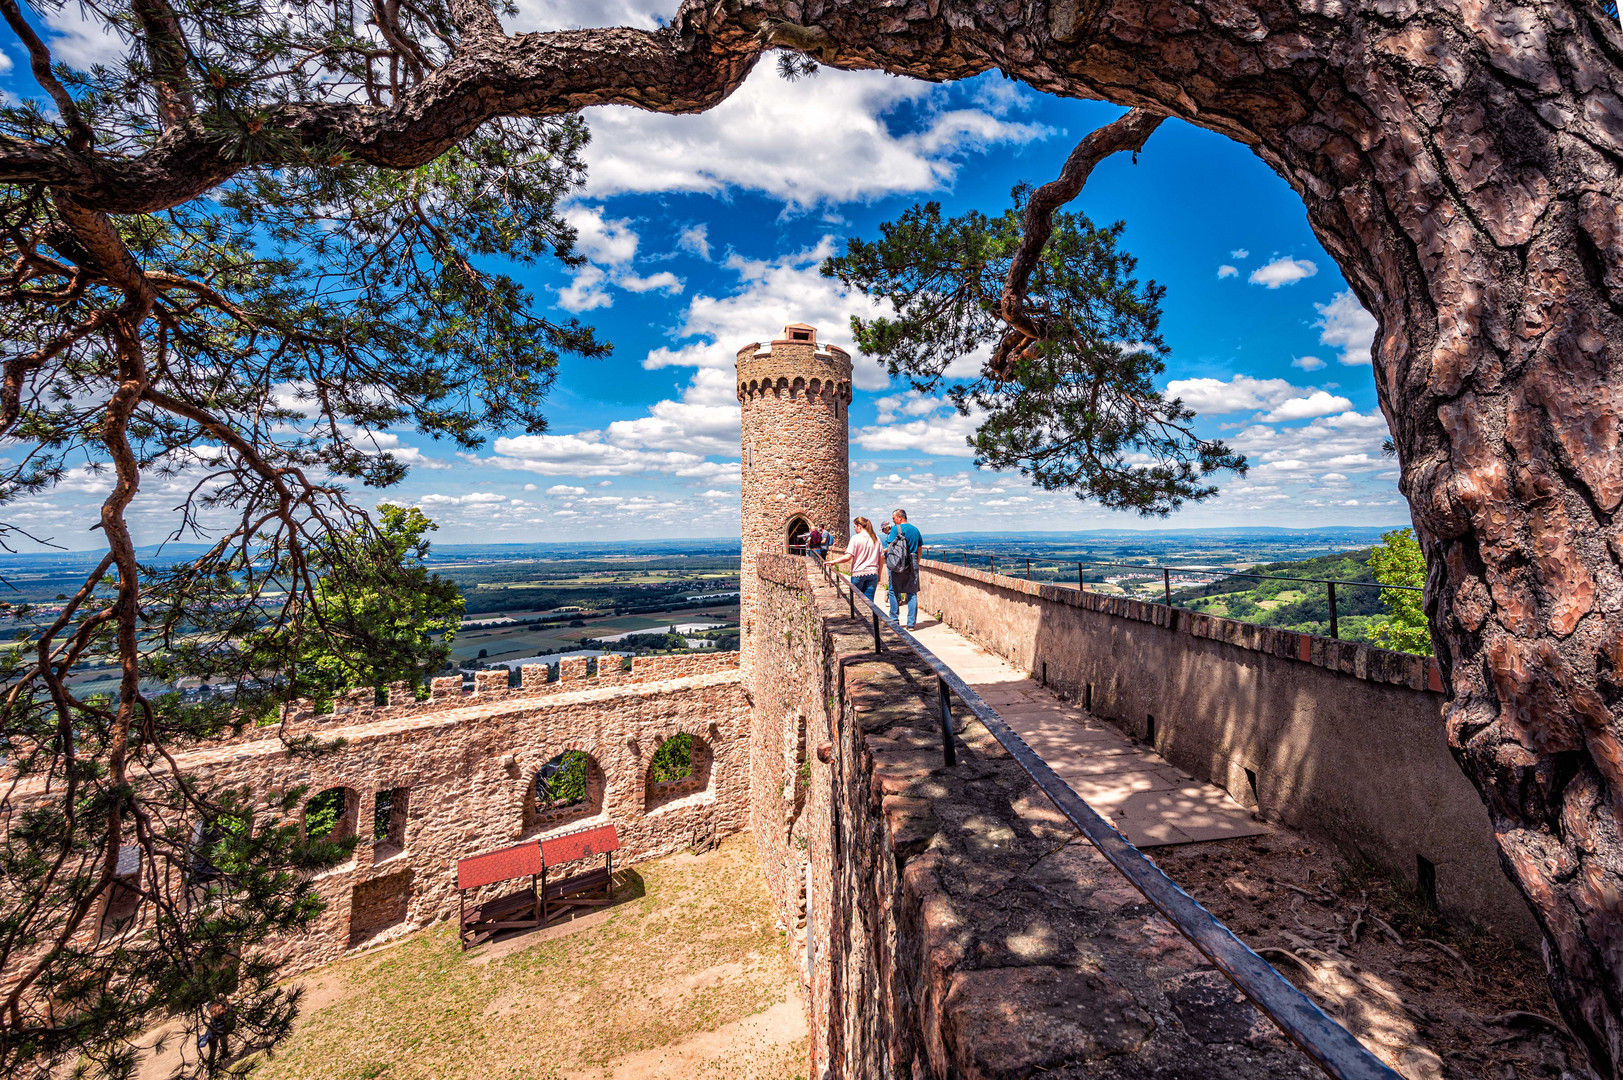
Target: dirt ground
[(1430, 999), (685, 978)]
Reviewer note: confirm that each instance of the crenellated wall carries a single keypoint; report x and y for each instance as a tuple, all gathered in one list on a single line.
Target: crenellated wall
[(464, 766), (1337, 739)]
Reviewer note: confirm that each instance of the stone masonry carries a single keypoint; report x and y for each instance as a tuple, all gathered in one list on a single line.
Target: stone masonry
[(795, 398), (458, 773)]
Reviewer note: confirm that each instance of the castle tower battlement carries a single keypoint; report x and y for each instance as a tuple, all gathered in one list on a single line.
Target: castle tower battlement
[(795, 396)]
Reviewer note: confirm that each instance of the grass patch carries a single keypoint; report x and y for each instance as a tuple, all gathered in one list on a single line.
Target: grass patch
[(697, 950)]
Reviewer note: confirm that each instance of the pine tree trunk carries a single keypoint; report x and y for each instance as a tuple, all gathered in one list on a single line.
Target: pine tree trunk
[(1461, 164)]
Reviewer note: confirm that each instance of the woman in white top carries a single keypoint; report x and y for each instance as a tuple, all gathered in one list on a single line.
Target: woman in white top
[(863, 555)]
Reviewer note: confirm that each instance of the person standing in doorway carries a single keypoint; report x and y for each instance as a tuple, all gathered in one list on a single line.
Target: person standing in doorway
[(902, 566), (864, 555)]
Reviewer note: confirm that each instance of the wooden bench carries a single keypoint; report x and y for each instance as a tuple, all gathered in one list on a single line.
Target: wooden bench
[(520, 910), (578, 890)]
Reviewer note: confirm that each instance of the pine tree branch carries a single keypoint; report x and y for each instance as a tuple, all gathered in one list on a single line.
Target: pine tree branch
[(1126, 133)]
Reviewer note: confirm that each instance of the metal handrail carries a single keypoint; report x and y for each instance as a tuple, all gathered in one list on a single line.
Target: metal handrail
[(1331, 1046), (1167, 571)]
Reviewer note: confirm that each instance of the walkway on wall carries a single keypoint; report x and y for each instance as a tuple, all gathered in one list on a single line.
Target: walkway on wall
[(1149, 800)]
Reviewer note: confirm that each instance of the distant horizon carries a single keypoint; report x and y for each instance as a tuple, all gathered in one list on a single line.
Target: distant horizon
[(666, 541)]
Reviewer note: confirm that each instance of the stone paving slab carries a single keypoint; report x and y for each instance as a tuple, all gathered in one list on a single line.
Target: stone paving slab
[(1149, 800)]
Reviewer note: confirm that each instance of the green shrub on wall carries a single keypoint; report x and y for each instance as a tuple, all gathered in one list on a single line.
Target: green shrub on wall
[(562, 781), (322, 813), (674, 759)]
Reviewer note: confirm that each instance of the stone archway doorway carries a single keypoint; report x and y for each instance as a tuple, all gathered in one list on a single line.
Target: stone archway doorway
[(796, 535)]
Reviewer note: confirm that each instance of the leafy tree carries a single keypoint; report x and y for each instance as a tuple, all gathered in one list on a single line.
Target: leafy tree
[(1074, 404), (1399, 561), (253, 341), (561, 782)]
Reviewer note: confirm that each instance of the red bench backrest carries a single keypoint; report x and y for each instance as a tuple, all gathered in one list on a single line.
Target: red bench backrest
[(578, 845), (520, 860)]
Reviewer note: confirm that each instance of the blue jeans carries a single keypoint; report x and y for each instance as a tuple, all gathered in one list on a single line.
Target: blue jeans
[(868, 583), (912, 605)]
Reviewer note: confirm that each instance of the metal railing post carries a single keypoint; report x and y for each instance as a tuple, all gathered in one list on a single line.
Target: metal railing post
[(1331, 586), (1166, 584), (878, 645), (992, 562), (1028, 568), (851, 596), (1081, 586), (948, 751)]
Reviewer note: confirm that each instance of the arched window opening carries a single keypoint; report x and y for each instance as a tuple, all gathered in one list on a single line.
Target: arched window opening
[(680, 767), (799, 533), (330, 815), (673, 760), (568, 787)]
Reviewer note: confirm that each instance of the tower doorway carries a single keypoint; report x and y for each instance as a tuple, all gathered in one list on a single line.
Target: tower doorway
[(798, 533)]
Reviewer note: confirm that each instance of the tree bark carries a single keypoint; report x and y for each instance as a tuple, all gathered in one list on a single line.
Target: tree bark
[(1460, 162)]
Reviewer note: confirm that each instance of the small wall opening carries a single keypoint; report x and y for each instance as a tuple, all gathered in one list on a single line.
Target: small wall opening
[(1251, 779), (1426, 880), (568, 787), (378, 905), (389, 824), (1149, 729), (1087, 698), (330, 815), (124, 894), (679, 767)]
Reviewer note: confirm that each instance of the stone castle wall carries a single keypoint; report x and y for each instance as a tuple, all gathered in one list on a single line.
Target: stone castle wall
[(464, 766), (1337, 739), (956, 924), (795, 398)]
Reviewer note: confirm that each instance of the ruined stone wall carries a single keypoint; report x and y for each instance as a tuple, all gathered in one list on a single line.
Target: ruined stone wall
[(1340, 740), (464, 765), (957, 925), (795, 400)]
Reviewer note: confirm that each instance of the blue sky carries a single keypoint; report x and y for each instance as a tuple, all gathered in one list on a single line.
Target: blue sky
[(705, 233)]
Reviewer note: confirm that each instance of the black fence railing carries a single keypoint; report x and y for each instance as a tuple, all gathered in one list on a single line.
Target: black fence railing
[(1012, 566), (1332, 1047)]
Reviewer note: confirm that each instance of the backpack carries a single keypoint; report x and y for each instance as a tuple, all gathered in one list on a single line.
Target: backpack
[(898, 555)]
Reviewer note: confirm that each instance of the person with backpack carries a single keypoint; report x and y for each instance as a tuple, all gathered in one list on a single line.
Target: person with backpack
[(902, 548)]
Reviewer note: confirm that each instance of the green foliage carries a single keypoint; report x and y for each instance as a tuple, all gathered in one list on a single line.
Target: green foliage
[(561, 782), (323, 813), (1080, 412), (674, 759), (1399, 561)]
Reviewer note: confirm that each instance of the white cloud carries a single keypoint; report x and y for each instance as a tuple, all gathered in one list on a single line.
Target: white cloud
[(585, 291), (805, 142), (536, 15), (1307, 363), (946, 435), (1239, 253), (1349, 442), (82, 40), (1318, 403), (771, 294), (588, 453), (1242, 393), (664, 281), (611, 242), (1333, 478), (1282, 271), (705, 420), (473, 498), (695, 239), (1344, 324), (1227, 271), (559, 489)]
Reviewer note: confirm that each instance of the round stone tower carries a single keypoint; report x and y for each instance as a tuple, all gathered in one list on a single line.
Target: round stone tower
[(796, 402)]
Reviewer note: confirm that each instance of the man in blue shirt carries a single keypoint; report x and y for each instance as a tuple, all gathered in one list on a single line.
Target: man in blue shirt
[(904, 581)]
